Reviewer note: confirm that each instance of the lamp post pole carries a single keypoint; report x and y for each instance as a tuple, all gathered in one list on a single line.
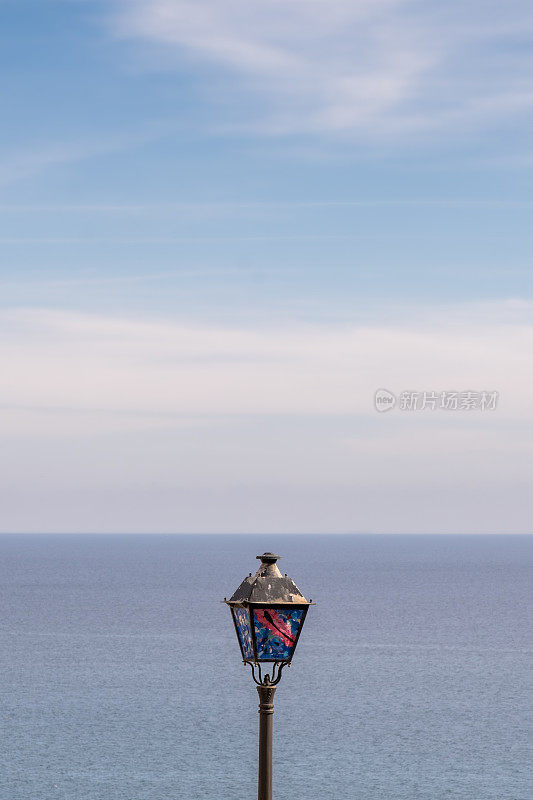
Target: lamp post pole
[(266, 725), (268, 612)]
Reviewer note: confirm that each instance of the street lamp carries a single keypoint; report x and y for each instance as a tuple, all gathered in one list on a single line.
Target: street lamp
[(268, 612)]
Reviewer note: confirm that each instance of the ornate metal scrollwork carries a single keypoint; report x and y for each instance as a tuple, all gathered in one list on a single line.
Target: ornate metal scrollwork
[(268, 679)]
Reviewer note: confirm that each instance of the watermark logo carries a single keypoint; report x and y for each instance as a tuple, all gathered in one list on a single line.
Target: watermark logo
[(467, 400), (384, 400)]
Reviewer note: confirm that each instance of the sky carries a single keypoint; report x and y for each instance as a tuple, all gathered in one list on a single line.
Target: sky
[(225, 225)]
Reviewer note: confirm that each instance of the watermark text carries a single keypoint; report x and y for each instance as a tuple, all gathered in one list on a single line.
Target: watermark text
[(412, 400)]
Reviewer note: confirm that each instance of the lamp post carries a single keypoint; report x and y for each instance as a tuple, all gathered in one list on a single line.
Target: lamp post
[(268, 612)]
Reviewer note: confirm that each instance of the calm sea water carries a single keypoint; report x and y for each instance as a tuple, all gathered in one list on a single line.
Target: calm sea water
[(121, 677)]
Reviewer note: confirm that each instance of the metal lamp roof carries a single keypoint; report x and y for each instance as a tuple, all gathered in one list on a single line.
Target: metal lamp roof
[(268, 585)]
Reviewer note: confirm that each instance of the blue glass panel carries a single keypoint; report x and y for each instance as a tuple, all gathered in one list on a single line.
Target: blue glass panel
[(243, 627), (276, 631)]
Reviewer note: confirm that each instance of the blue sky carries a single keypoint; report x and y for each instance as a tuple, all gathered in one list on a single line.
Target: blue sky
[(224, 225)]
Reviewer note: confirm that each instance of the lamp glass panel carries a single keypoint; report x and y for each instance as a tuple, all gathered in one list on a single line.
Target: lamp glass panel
[(276, 631), (242, 622)]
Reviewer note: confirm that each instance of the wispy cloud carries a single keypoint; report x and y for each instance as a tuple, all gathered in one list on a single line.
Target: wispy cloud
[(31, 159), (58, 358), (109, 423), (230, 206), (379, 67)]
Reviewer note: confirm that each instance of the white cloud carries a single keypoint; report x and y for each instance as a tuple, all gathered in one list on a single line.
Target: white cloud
[(367, 66), (116, 424), (31, 159), (80, 361)]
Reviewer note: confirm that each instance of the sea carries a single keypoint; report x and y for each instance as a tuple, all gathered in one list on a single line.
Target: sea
[(121, 676)]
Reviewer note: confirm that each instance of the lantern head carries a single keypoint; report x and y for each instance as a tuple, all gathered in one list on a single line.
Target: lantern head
[(268, 611)]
